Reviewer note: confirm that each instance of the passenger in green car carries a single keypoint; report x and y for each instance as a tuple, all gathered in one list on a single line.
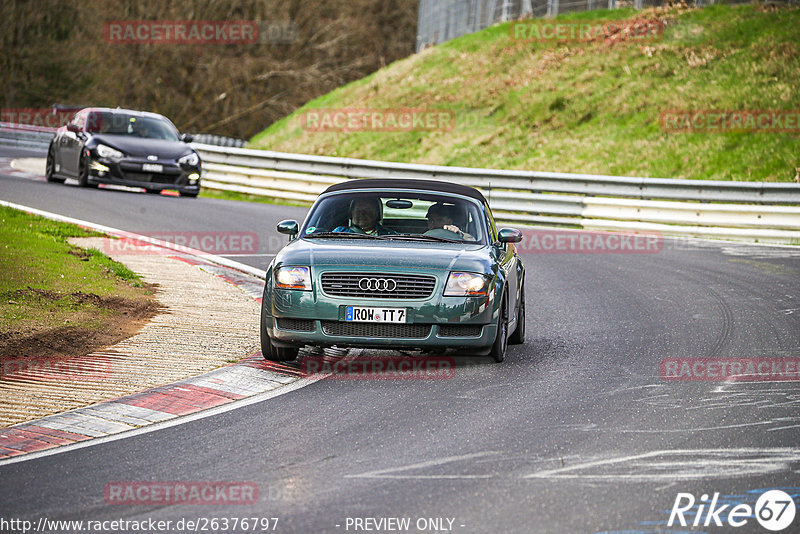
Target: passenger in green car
[(441, 223), (365, 215)]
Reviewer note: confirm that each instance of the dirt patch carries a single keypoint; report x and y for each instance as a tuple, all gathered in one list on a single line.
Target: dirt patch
[(79, 253), (119, 318)]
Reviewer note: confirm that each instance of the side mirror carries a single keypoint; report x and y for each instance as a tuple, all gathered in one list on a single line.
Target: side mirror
[(72, 127), (509, 235), (187, 138), (288, 227)]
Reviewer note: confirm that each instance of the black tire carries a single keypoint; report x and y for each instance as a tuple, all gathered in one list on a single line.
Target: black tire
[(190, 195), (273, 353), (517, 337), (83, 173), (498, 352), (50, 170)]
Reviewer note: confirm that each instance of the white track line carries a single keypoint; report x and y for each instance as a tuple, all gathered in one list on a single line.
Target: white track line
[(258, 273), (211, 412), (303, 382)]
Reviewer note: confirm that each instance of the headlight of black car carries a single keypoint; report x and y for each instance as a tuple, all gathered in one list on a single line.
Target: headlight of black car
[(107, 152), (190, 160)]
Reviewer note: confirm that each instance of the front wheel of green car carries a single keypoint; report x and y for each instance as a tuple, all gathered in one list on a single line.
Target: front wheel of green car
[(518, 335), (498, 351), (276, 354)]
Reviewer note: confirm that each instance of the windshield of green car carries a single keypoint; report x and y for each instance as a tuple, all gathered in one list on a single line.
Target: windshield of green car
[(429, 217)]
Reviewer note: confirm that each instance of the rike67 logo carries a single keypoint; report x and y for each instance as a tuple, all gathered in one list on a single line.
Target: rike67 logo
[(774, 510)]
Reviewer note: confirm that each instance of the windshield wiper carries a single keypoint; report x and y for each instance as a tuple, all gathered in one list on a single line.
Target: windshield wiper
[(421, 237), (348, 235)]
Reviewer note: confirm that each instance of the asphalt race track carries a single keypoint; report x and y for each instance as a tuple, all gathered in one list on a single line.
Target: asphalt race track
[(576, 431)]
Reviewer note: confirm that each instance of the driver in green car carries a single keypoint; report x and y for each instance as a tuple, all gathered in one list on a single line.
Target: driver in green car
[(441, 223), (365, 214)]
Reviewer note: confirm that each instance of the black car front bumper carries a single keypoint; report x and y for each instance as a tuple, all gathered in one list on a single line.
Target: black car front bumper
[(130, 173)]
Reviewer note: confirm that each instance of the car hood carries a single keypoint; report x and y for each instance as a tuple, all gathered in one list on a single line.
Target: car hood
[(141, 147), (394, 255)]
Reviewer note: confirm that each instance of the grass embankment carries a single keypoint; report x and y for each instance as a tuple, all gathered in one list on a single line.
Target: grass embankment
[(57, 300), (589, 107)]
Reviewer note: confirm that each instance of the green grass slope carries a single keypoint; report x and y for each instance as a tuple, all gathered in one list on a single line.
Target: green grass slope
[(590, 107)]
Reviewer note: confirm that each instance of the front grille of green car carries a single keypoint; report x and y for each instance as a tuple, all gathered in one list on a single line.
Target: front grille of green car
[(460, 330), (376, 285), (298, 325), (410, 331)]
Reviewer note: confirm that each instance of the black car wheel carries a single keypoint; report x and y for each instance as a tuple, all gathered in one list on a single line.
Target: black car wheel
[(190, 195), (498, 351), (50, 168), (518, 335), (83, 173), (273, 353)]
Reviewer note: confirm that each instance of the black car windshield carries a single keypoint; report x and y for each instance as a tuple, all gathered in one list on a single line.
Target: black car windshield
[(120, 123), (429, 217)]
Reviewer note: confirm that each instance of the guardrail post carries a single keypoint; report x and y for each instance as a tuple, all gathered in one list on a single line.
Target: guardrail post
[(552, 8), (527, 9)]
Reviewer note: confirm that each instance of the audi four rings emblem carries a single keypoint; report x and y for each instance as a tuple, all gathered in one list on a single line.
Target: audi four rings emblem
[(377, 284)]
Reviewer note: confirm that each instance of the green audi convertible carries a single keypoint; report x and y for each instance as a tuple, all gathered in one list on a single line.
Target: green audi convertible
[(395, 264)]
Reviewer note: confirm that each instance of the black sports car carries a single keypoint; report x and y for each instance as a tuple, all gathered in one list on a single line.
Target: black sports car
[(124, 147)]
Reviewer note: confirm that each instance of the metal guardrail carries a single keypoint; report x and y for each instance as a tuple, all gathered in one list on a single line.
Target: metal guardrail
[(24, 136), (218, 140), (753, 211)]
